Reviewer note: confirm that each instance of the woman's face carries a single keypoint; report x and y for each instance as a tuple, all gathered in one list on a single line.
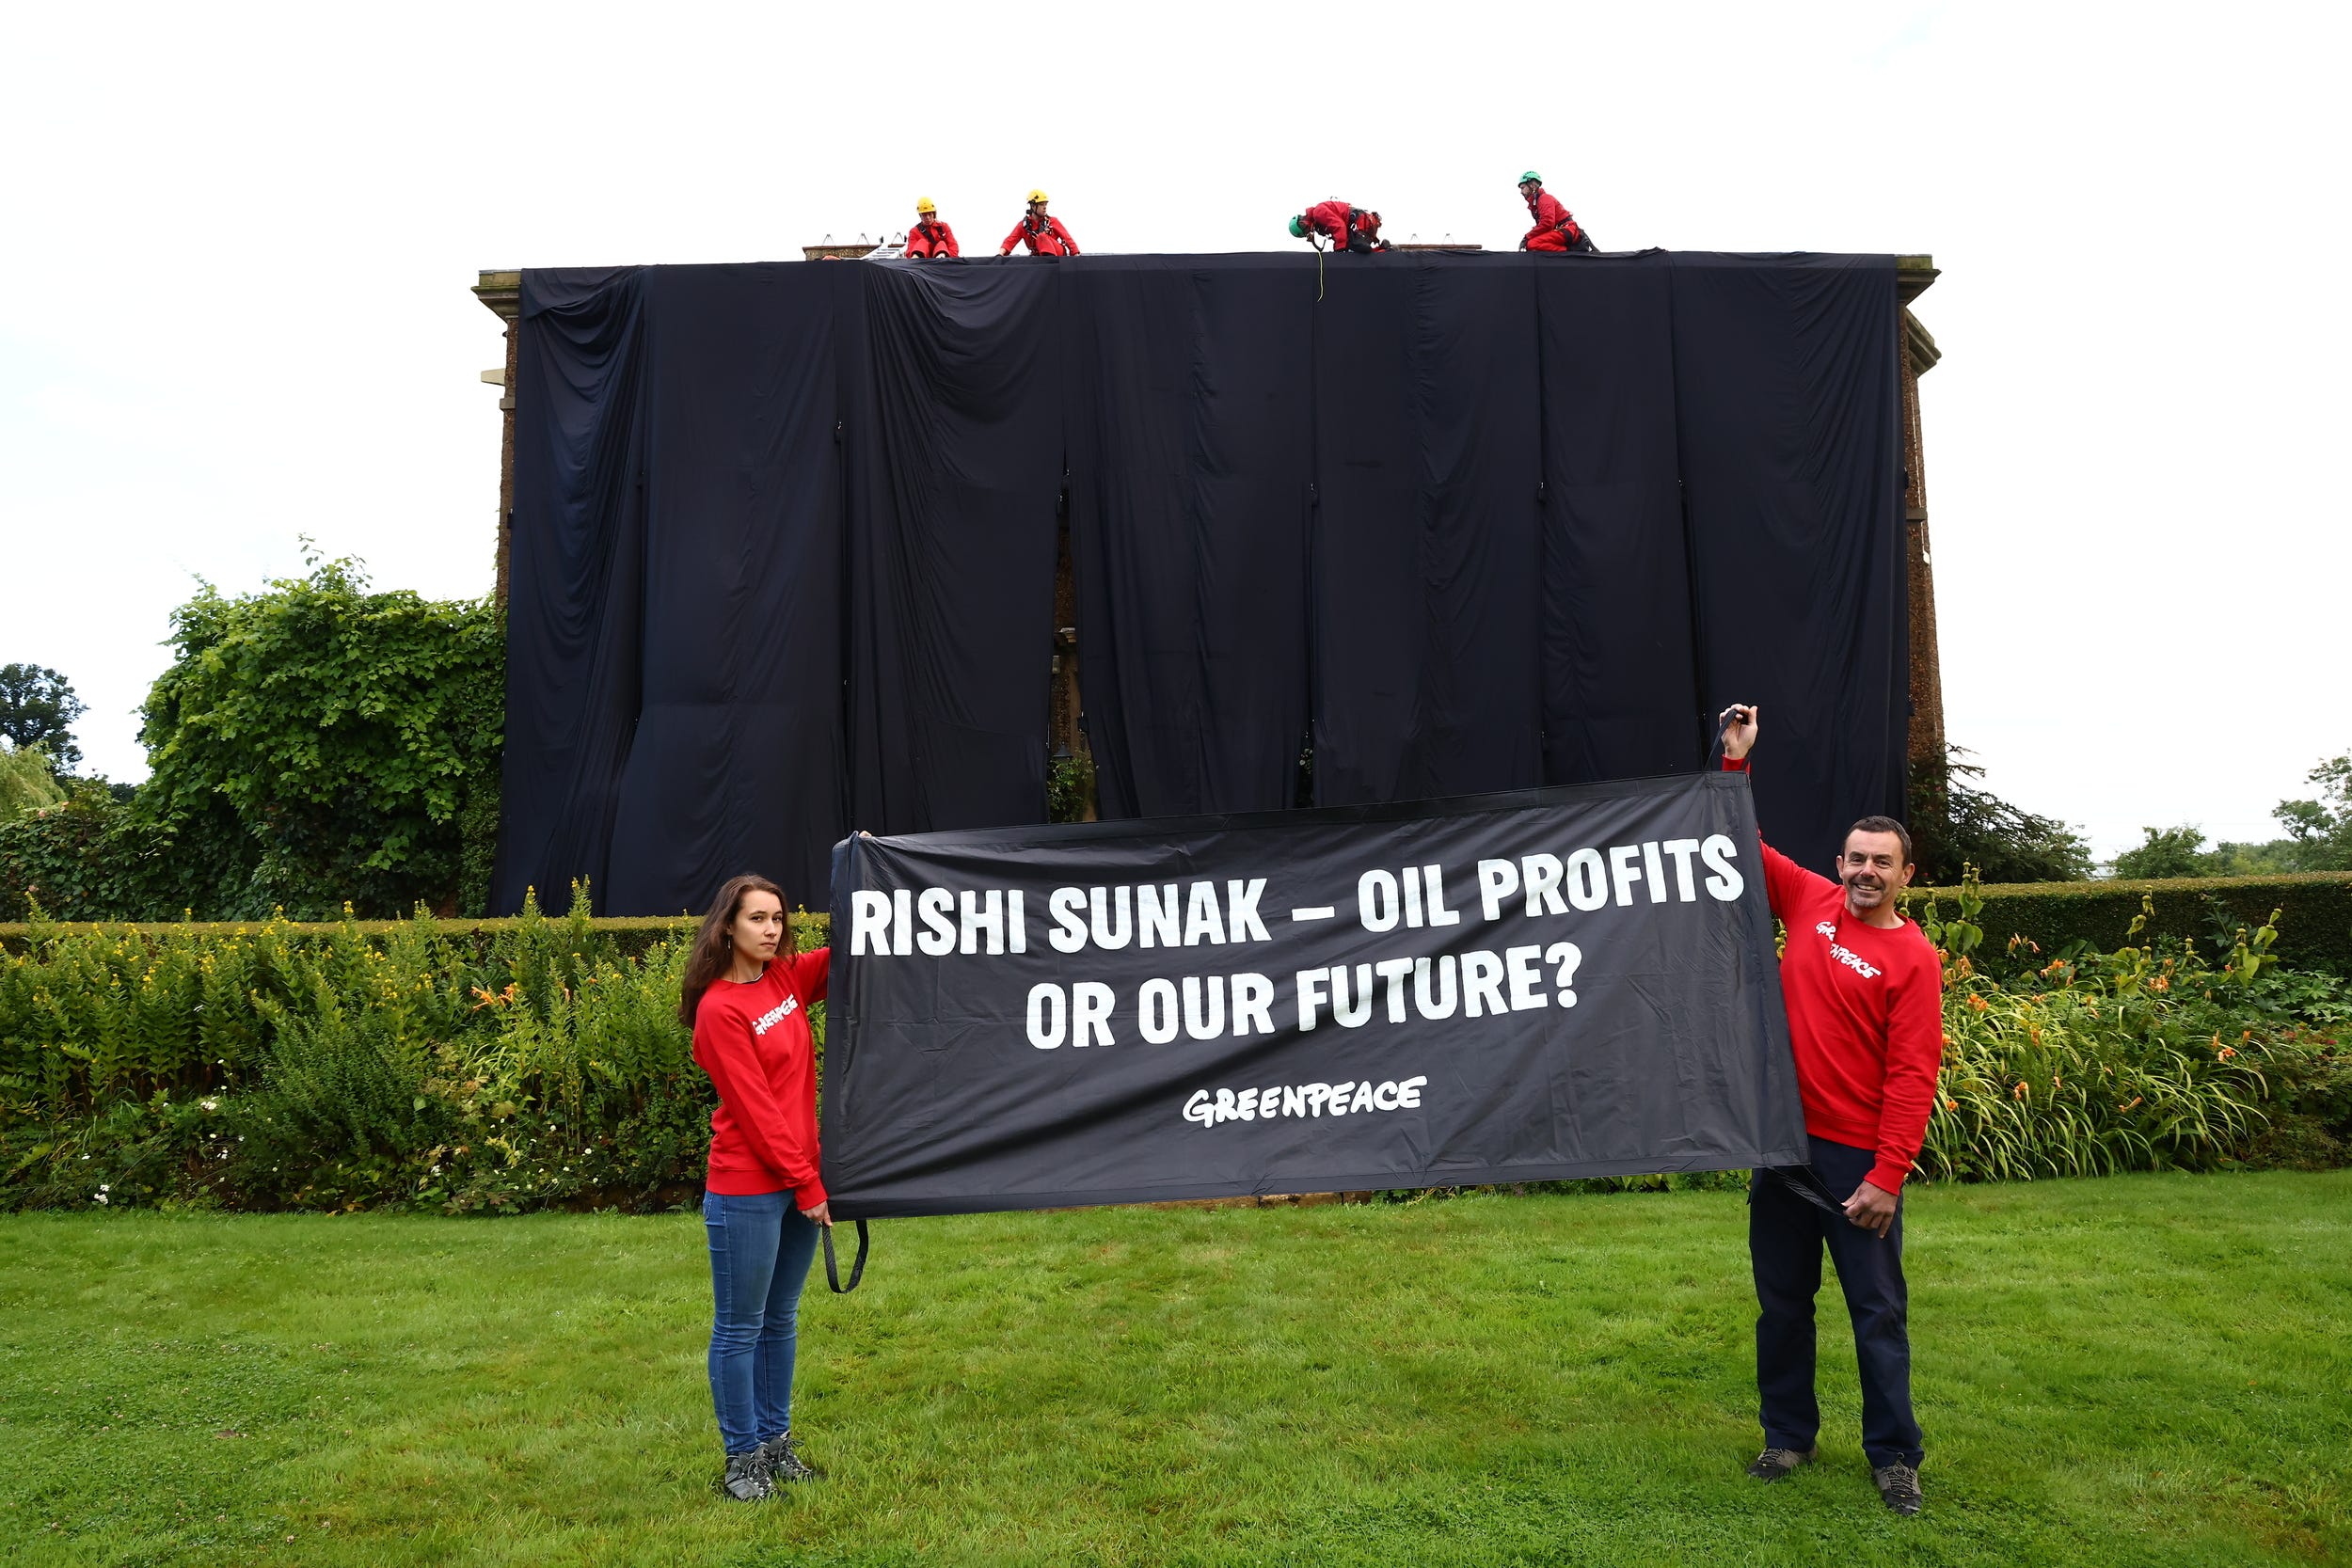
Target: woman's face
[(757, 930)]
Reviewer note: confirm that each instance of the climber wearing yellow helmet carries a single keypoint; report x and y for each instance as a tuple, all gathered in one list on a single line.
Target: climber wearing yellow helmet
[(1043, 235), (929, 240)]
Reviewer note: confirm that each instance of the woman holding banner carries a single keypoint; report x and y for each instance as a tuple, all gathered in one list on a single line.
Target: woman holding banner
[(746, 997)]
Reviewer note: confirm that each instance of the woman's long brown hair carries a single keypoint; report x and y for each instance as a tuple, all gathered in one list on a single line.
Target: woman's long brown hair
[(712, 957)]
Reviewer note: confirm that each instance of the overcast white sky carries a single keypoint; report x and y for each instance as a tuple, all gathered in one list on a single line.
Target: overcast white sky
[(234, 310)]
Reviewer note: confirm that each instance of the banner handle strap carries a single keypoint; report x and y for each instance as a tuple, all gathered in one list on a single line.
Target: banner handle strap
[(832, 1266), (1806, 1183), (1715, 753)]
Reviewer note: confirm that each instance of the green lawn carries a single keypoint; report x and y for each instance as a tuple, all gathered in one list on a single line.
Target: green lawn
[(2145, 1369)]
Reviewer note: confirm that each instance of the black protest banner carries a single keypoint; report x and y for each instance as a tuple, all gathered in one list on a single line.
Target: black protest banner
[(1536, 986)]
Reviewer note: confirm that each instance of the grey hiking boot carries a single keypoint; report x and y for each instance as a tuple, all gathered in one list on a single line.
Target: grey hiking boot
[(746, 1480), (1899, 1487), (783, 1458), (1773, 1464)]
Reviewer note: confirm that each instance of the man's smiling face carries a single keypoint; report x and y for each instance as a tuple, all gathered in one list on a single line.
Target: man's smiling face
[(1873, 871)]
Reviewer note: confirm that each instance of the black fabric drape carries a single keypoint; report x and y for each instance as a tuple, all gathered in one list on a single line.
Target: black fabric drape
[(738, 760), (1189, 472), (1786, 386), (957, 439), (782, 556), (573, 625), (1619, 699), (1427, 555)]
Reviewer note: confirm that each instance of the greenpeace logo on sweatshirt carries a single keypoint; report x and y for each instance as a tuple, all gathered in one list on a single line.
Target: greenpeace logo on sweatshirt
[(774, 1015), (1845, 955)]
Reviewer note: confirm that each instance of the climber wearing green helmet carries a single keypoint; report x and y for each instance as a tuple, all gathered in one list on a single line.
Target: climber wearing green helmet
[(1347, 228), (1556, 227)]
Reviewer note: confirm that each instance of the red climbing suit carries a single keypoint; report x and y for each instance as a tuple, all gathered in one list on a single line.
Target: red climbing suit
[(1044, 236), (926, 241), (1555, 227), (1332, 220)]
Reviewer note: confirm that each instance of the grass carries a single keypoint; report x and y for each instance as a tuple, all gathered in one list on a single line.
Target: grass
[(2141, 1369)]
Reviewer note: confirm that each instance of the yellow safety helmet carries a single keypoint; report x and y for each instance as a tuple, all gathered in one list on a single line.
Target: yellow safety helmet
[(1040, 195), (923, 204)]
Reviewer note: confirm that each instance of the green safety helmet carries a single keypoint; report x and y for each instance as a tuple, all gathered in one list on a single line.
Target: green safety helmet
[(1298, 226), (1530, 174)]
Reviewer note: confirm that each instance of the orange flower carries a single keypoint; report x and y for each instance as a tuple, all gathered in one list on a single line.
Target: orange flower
[(1952, 1104), (2020, 1091), (2160, 983), (2225, 1054), (1980, 1004), (2131, 1102)]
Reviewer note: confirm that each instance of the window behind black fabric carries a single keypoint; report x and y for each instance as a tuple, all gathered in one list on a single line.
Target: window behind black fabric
[(1785, 385), (572, 625), (1188, 419), (738, 760), (956, 438), (1427, 558), (1619, 697)]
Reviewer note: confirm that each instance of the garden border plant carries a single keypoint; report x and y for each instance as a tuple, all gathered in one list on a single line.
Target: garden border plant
[(492, 1066)]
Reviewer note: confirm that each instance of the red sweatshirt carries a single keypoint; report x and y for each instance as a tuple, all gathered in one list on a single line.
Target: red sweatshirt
[(754, 1041), (1865, 1018)]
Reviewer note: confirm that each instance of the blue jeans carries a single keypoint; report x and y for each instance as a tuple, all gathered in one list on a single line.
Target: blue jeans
[(1785, 1235), (760, 1249)]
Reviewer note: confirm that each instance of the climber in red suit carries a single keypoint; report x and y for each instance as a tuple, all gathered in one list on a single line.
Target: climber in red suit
[(1043, 235), (1556, 227), (1346, 226), (929, 240)]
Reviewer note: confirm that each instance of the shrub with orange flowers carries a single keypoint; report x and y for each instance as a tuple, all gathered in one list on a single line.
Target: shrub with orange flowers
[(2155, 1058)]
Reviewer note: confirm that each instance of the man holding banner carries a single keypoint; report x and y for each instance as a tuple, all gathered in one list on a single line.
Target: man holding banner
[(1864, 990)]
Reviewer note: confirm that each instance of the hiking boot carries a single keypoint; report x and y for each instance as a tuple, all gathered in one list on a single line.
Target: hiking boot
[(783, 1458), (1899, 1487), (746, 1480), (1773, 1464)]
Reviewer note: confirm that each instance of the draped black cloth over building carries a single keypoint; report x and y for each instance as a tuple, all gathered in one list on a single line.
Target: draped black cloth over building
[(784, 543)]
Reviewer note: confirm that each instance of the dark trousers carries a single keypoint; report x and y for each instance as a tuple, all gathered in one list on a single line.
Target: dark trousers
[(1785, 1239)]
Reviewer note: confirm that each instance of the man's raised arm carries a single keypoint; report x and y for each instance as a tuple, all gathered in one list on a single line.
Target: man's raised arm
[(1784, 880)]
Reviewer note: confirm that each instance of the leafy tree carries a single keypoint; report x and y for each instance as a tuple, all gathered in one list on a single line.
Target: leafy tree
[(2166, 852), (91, 857), (2321, 830), (2319, 838), (26, 780), (1956, 822), (38, 707), (320, 742)]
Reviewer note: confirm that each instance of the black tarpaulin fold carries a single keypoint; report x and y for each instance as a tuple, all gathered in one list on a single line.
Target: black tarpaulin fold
[(1427, 558), (1619, 697), (1189, 472), (955, 433), (574, 630), (738, 760), (1787, 412)]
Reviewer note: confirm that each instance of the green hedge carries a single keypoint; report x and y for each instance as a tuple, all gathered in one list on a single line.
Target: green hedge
[(2315, 930), (625, 937)]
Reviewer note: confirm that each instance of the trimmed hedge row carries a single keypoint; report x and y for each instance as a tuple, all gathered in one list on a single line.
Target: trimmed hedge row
[(2314, 929), (623, 936)]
